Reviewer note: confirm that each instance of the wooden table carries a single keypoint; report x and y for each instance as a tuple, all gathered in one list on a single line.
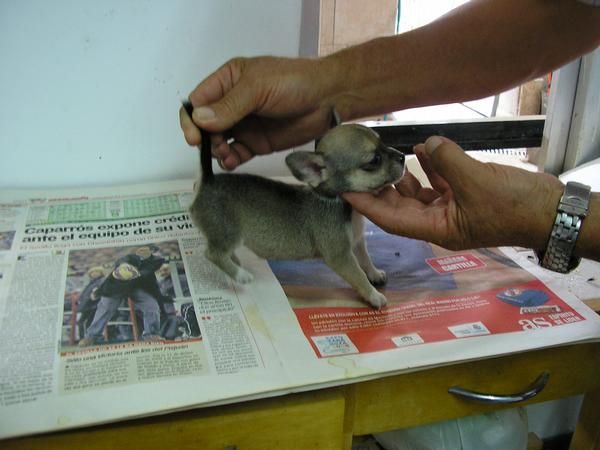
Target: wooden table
[(329, 418)]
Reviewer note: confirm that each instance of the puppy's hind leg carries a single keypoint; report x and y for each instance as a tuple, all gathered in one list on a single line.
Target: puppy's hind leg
[(226, 260), (235, 259), (223, 235)]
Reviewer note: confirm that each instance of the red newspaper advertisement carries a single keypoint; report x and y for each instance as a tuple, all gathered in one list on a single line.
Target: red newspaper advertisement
[(433, 295)]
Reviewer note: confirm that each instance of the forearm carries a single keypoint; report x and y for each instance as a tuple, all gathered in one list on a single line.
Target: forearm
[(531, 222), (479, 49), (523, 211)]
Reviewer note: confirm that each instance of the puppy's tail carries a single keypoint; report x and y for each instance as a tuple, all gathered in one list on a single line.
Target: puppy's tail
[(204, 148)]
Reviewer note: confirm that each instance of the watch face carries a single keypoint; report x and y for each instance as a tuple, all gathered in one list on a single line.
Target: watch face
[(523, 297)]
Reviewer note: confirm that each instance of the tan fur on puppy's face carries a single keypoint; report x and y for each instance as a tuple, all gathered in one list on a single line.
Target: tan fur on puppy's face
[(357, 161)]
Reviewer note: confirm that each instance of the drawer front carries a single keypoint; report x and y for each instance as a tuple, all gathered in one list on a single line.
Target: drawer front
[(300, 421), (417, 398)]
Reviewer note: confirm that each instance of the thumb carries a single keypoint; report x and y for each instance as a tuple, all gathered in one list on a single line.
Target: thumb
[(450, 161), (229, 110)]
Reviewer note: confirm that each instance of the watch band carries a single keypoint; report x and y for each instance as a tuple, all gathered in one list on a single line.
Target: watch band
[(571, 211)]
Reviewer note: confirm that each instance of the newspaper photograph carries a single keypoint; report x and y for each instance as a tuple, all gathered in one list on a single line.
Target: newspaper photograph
[(109, 310)]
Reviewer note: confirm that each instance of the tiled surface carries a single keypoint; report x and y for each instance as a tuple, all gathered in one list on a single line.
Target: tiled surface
[(358, 21), (348, 22), (326, 24)]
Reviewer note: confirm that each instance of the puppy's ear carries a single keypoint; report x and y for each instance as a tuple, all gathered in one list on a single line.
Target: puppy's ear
[(308, 167)]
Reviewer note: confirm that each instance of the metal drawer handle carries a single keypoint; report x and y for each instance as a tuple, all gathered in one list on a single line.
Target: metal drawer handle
[(534, 389)]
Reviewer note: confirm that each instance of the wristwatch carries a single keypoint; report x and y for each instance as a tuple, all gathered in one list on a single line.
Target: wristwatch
[(571, 211)]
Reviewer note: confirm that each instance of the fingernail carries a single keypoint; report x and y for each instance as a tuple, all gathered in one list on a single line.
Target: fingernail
[(203, 113), (432, 144)]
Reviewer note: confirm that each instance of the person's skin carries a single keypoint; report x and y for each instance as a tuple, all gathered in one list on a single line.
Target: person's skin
[(473, 204), (143, 252), (259, 105)]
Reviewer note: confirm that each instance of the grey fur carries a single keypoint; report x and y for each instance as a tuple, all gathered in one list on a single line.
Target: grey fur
[(281, 221)]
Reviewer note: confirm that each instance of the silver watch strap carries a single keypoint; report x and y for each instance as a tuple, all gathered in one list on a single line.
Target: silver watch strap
[(572, 209)]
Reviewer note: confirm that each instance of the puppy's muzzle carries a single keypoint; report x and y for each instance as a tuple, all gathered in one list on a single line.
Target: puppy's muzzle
[(396, 155)]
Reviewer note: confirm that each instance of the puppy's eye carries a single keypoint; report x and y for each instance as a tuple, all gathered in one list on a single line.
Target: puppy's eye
[(373, 164)]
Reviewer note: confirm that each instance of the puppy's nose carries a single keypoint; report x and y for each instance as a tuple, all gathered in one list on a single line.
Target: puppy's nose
[(397, 155)]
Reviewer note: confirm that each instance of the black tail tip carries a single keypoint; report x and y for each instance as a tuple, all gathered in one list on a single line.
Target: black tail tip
[(205, 135), (189, 108)]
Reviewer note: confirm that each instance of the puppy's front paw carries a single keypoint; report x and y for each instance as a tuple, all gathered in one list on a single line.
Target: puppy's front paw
[(243, 276), (377, 299), (377, 277)]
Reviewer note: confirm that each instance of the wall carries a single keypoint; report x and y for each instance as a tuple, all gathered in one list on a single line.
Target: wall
[(89, 91)]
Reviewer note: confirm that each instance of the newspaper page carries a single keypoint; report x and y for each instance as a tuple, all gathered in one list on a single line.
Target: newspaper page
[(109, 310), (443, 307)]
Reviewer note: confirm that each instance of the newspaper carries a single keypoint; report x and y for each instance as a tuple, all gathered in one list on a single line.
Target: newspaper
[(109, 310)]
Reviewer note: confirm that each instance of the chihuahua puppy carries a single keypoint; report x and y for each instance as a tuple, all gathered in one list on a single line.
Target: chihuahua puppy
[(281, 221)]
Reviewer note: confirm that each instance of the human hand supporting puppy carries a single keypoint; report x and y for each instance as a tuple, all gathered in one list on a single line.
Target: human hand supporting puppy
[(470, 204)]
